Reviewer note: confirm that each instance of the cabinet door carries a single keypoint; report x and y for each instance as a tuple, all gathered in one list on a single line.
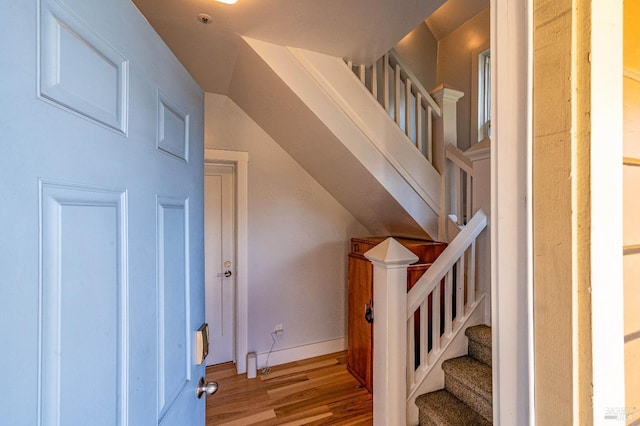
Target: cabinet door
[(360, 332)]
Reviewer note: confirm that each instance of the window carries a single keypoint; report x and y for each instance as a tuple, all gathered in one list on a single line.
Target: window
[(484, 95)]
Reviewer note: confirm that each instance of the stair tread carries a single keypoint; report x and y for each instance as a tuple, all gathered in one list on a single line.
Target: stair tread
[(470, 372), (442, 408), (480, 334)]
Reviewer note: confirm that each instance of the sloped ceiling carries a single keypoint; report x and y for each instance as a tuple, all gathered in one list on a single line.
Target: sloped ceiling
[(452, 14), (361, 30)]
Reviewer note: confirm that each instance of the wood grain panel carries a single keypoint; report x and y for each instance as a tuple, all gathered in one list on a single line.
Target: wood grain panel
[(359, 332)]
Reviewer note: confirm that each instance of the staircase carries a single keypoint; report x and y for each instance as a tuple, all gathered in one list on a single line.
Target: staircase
[(467, 395), (405, 177)]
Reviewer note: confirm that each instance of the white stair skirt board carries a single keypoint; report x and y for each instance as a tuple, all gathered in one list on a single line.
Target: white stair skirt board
[(298, 353)]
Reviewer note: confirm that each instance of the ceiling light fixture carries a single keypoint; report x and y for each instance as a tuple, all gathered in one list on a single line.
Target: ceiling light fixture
[(227, 1)]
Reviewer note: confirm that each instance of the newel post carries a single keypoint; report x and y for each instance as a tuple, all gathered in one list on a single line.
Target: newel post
[(445, 132), (480, 156), (390, 261)]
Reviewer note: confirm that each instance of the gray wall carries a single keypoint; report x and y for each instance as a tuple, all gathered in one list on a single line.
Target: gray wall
[(419, 50), (298, 237), (456, 68)]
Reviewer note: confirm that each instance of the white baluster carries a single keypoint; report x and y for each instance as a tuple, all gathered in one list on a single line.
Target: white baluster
[(396, 93), (460, 289), (471, 280), (374, 80), (429, 131), (362, 72), (448, 303), (411, 352), (407, 107), (435, 320), (458, 192), (469, 195), (424, 333), (385, 82), (419, 136)]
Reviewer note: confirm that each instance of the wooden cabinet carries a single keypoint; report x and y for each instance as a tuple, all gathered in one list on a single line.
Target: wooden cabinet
[(360, 332), (360, 296)]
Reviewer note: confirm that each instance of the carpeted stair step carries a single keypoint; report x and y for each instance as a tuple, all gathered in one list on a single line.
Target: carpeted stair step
[(480, 343), (469, 380), (441, 408)]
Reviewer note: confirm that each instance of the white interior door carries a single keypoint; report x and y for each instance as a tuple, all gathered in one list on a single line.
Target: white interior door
[(220, 260), (102, 283)]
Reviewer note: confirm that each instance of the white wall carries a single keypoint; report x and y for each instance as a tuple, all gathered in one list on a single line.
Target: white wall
[(456, 67), (298, 237)]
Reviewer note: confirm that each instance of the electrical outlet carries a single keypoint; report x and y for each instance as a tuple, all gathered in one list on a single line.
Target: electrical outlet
[(278, 329)]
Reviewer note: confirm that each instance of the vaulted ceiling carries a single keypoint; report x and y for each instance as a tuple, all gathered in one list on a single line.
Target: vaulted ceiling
[(361, 30), (222, 62)]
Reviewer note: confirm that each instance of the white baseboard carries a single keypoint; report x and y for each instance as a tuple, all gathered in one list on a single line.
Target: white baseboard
[(297, 353)]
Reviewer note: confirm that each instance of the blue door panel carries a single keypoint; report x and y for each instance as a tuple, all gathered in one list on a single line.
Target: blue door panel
[(174, 361), (101, 129), (83, 304)]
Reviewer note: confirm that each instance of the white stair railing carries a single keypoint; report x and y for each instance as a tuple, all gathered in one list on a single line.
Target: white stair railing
[(428, 120), (443, 299), (413, 330), (404, 98)]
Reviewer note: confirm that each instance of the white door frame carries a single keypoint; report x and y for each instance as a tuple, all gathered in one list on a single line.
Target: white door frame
[(511, 190), (607, 331), (511, 211), (241, 161)]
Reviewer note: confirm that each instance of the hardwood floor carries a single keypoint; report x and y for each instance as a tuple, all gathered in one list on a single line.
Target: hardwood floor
[(316, 391)]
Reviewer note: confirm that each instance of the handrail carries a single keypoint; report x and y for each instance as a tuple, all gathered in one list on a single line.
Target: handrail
[(443, 264), (459, 158)]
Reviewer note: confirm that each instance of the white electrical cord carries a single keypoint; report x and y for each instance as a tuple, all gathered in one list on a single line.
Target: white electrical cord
[(266, 369)]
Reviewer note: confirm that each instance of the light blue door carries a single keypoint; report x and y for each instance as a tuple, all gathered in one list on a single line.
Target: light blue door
[(101, 247)]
